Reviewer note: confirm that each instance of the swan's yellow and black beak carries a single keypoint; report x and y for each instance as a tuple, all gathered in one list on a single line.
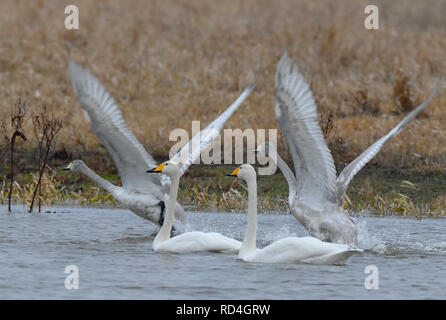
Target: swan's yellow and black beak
[(233, 173), (70, 165), (157, 169)]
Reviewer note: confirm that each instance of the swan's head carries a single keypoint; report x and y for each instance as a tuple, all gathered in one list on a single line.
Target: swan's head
[(169, 168), (245, 172), (75, 165)]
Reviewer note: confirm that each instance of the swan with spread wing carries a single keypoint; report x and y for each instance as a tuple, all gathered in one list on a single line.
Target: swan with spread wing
[(145, 195), (316, 195)]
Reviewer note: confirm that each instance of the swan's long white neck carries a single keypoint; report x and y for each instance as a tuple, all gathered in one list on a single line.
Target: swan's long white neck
[(99, 180), (249, 243), (164, 233)]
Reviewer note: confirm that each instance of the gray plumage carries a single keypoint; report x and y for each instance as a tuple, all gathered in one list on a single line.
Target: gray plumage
[(316, 195), (144, 194)]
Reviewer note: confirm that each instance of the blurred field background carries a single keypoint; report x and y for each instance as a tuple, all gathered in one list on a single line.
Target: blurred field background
[(167, 63)]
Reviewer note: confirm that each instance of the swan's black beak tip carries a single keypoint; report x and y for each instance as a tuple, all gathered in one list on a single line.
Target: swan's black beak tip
[(157, 169), (68, 167)]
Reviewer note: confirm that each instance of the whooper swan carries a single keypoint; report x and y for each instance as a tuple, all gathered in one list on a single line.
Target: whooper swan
[(195, 241), (288, 250), (144, 195), (316, 197)]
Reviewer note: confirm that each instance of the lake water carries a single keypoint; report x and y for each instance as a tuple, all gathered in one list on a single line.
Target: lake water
[(112, 250)]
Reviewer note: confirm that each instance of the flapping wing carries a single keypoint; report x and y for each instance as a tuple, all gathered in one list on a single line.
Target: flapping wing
[(192, 150), (129, 156), (297, 114), (353, 168)]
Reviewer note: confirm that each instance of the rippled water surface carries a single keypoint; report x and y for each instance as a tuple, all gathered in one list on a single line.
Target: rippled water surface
[(112, 250)]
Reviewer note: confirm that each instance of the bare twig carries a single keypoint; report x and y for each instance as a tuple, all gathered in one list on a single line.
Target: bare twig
[(17, 117), (5, 136), (46, 128)]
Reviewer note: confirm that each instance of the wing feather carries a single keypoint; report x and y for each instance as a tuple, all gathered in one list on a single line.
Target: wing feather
[(296, 112), (356, 165), (129, 156), (192, 150)]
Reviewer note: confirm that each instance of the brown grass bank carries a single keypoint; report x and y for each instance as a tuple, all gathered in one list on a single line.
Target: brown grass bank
[(170, 62)]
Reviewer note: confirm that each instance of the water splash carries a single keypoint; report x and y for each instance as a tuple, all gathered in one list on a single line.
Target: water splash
[(391, 241), (366, 241), (283, 232)]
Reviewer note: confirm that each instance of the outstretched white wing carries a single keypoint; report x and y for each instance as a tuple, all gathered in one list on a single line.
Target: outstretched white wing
[(353, 168), (297, 114), (130, 157), (192, 150)]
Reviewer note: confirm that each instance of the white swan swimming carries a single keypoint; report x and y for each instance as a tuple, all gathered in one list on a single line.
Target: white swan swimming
[(145, 195), (316, 197), (287, 250), (195, 241)]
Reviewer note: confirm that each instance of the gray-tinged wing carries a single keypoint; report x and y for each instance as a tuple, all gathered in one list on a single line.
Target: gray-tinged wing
[(129, 156), (296, 112), (192, 150), (353, 168)]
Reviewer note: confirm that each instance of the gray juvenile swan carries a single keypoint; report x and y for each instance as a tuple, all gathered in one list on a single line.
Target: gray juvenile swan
[(143, 194), (316, 197)]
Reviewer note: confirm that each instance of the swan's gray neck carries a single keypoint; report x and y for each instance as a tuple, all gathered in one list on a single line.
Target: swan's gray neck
[(96, 178), (249, 243), (289, 176), (164, 233)]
